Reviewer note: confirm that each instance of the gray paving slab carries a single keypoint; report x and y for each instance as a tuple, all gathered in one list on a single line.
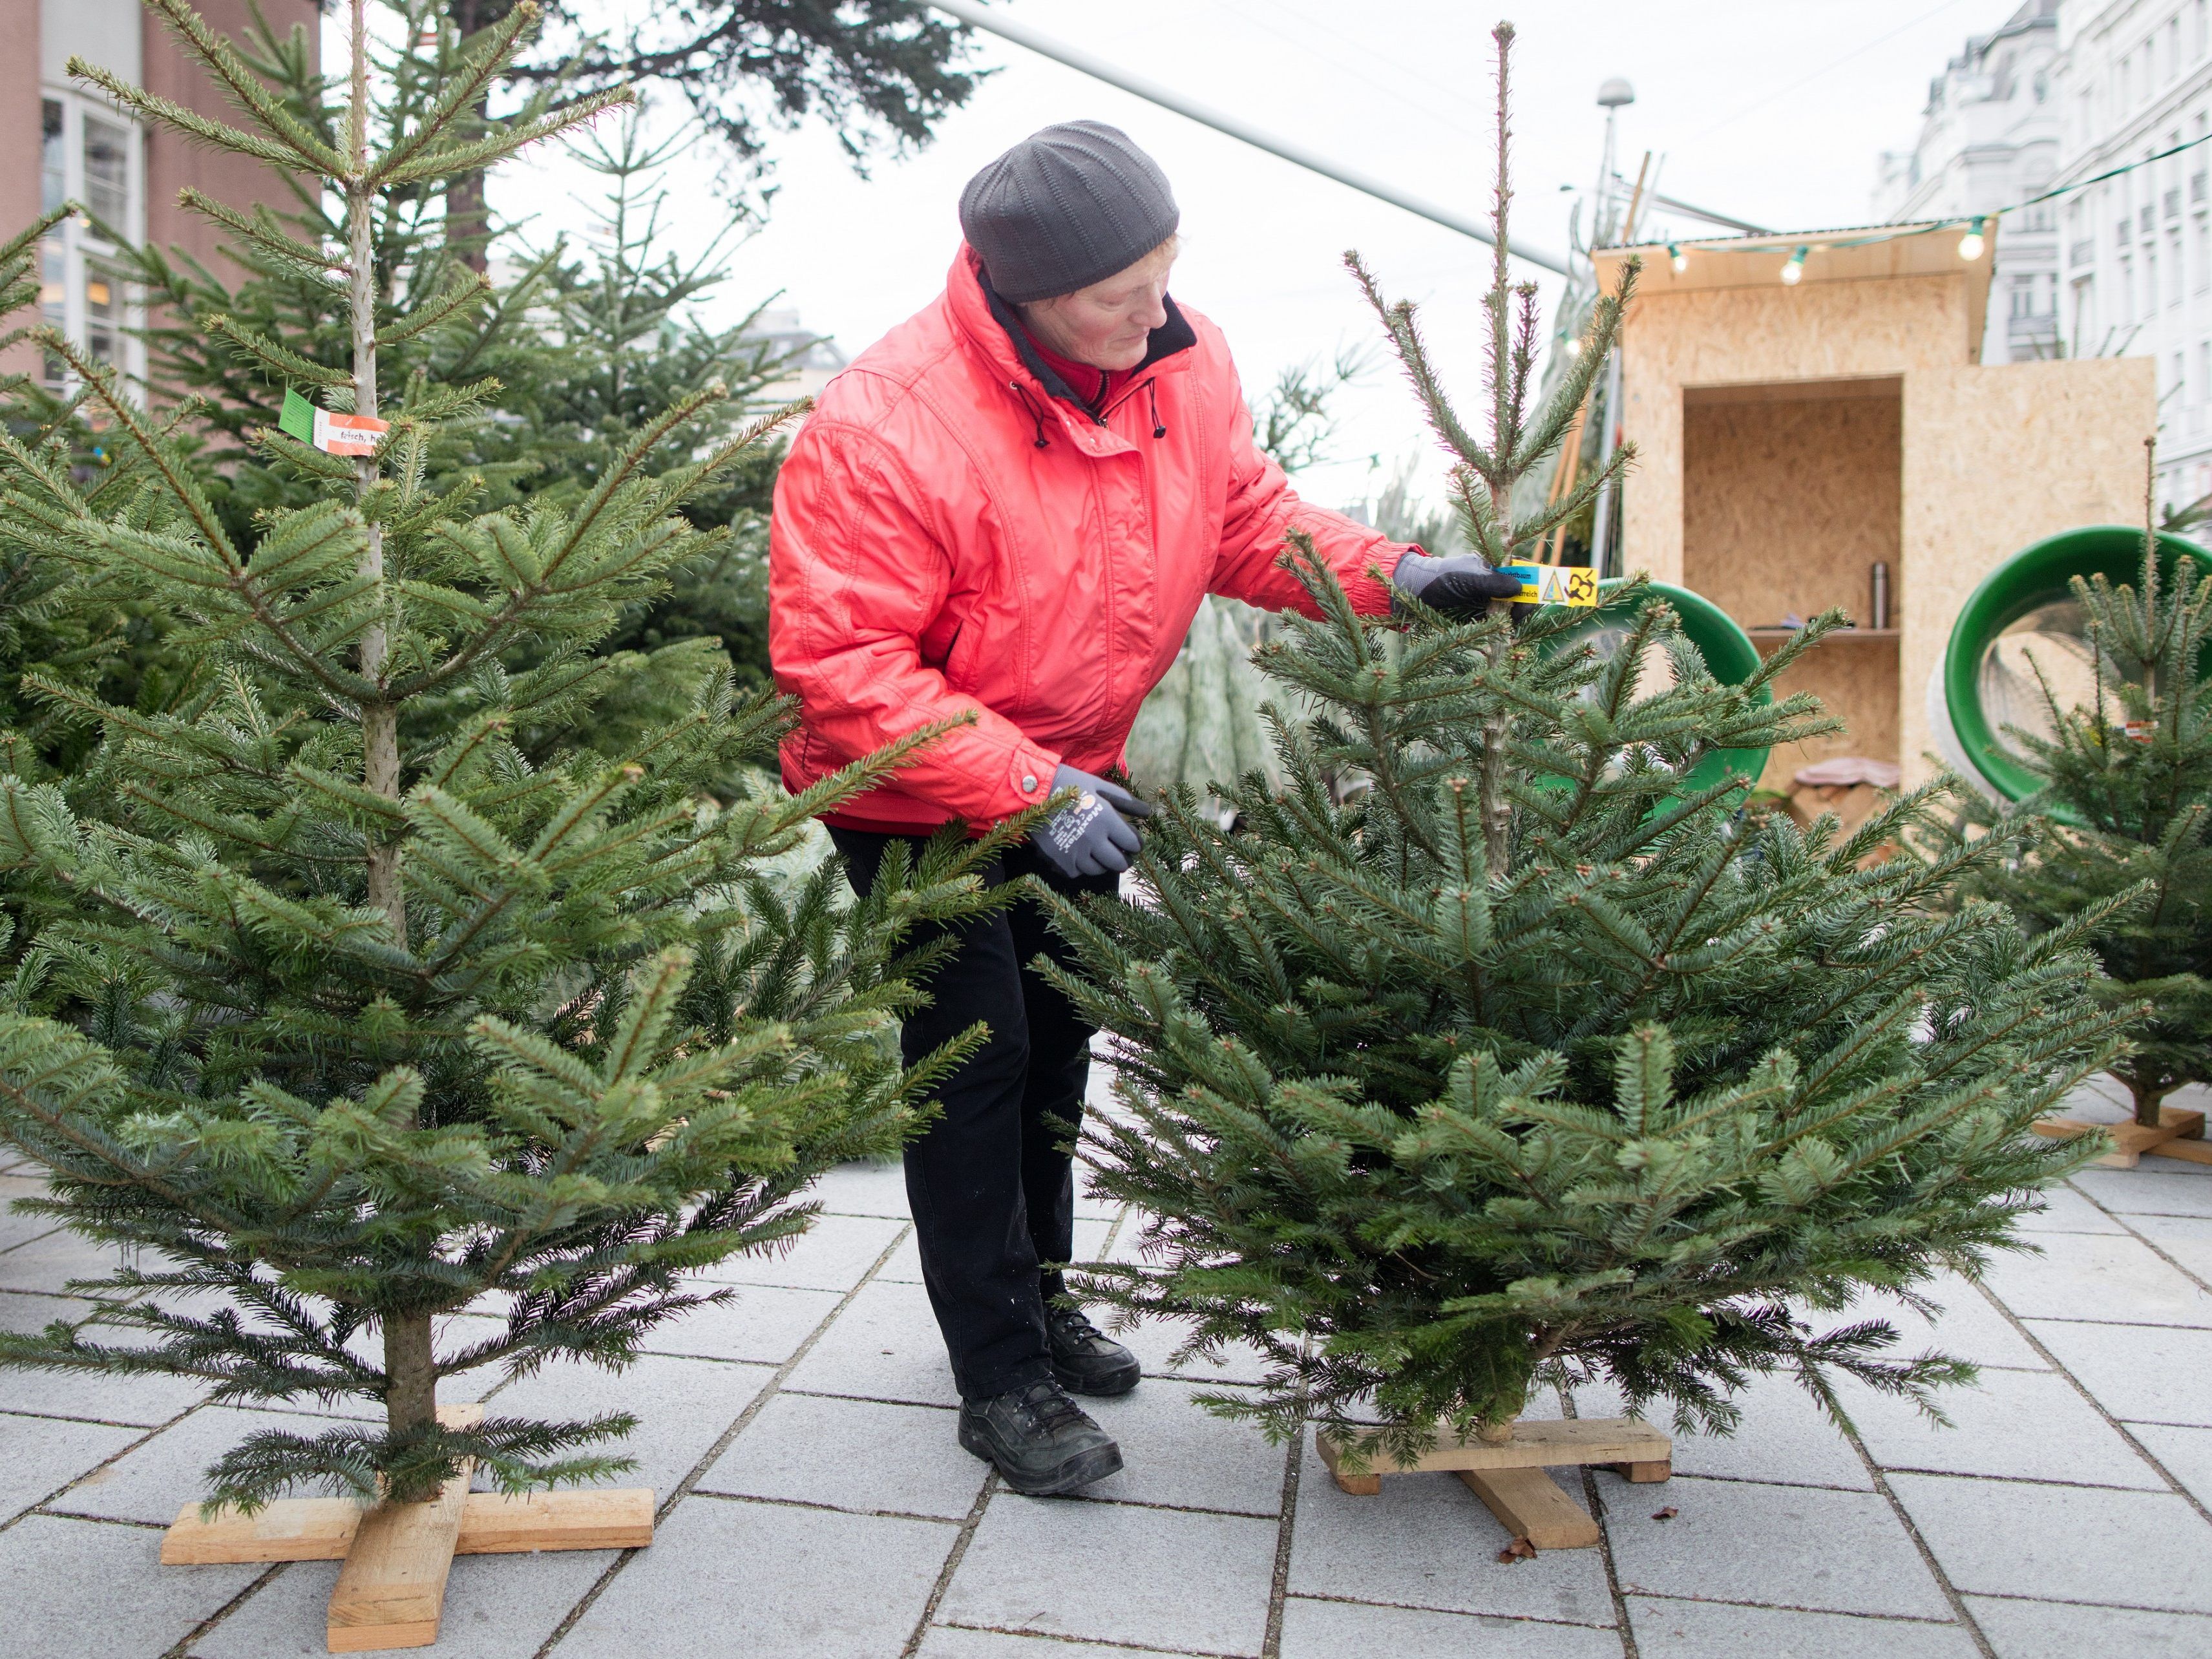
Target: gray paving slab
[(955, 1642), (2023, 1425), (905, 1265), (2065, 1211), (1351, 1630), (137, 1400), (834, 1254), (53, 1262), (16, 1227), (867, 1187), (39, 1456), (1784, 1437), (763, 1322), (102, 1592), (1116, 1573), (885, 1346), (2185, 1454), (2052, 1629), (2138, 1549), (2166, 1187), (1738, 1541), (1426, 1541), (682, 1406), (2186, 1238), (2087, 1275), (726, 1578), (2147, 1373), (1154, 1341), (861, 1455), (1174, 1452), (153, 1481), (1717, 1630), (497, 1607), (1968, 1327)]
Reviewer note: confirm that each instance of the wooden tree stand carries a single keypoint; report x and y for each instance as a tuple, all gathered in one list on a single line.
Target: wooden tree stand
[(1508, 1475), (392, 1588), (2179, 1134)]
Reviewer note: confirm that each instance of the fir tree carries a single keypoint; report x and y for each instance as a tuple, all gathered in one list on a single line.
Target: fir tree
[(337, 1009), (2124, 807), (1523, 1065)]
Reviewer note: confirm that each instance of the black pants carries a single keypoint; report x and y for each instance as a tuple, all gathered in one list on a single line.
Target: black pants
[(992, 1179)]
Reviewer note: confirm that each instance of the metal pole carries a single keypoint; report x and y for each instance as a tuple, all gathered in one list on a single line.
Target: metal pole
[(1603, 555), (1152, 92)]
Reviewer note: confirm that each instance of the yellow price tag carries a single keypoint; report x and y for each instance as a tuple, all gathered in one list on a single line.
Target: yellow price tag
[(1555, 583)]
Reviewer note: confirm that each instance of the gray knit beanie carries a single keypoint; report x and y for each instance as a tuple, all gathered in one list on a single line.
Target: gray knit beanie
[(1067, 207)]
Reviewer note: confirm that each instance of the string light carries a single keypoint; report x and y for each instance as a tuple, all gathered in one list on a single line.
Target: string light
[(1795, 269), (1574, 346), (1681, 260), (1971, 244)]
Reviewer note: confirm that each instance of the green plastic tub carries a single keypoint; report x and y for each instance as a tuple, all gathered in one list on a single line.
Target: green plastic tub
[(2025, 606)]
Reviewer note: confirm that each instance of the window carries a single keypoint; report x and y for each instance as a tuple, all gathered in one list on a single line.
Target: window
[(2173, 268), (2197, 16), (107, 171), (53, 174), (2172, 47), (91, 156), (2203, 236)]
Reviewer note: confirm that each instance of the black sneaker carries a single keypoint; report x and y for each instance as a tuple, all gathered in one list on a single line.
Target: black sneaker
[(1085, 1359), (1040, 1440)]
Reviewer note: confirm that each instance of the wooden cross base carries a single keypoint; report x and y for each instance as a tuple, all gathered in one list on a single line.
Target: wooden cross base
[(2179, 1134), (392, 1590), (1508, 1476)]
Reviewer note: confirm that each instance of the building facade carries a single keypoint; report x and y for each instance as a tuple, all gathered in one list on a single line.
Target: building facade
[(87, 151), (1989, 138), (2134, 79)]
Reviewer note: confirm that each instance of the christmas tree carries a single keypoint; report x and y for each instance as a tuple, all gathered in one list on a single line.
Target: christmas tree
[(336, 1006), (2124, 807), (1524, 1064), (588, 349)]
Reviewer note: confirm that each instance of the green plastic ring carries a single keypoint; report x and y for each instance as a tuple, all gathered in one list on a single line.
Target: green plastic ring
[(2034, 576)]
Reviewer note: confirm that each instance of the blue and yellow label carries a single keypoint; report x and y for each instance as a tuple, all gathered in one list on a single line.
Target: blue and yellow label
[(1554, 584)]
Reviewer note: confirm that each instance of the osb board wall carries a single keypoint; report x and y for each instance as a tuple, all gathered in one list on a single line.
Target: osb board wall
[(1855, 679), (1748, 336), (1786, 506), (1996, 458)]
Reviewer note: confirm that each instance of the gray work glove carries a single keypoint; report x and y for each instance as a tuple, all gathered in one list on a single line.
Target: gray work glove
[(1090, 836), (1460, 584)]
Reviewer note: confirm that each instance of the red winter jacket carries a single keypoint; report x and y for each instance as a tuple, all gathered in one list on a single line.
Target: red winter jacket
[(953, 535)]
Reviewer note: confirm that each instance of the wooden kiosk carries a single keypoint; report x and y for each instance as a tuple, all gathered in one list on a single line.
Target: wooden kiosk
[(1790, 435)]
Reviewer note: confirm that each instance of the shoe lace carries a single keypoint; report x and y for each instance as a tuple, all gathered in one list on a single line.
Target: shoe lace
[(1051, 1406), (1074, 1325)]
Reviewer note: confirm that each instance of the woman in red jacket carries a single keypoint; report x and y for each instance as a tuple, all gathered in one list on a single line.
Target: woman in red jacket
[(1007, 511)]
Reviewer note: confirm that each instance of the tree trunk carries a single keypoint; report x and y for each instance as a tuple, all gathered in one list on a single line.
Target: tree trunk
[(411, 1391), (380, 720), (2149, 1093), (468, 214)]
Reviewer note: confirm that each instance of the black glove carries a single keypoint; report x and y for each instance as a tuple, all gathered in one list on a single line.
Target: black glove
[(1090, 836), (1459, 583)]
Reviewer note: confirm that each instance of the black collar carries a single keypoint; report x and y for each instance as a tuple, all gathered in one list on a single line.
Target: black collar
[(1173, 335)]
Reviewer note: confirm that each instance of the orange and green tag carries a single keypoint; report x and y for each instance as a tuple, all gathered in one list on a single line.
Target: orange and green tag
[(334, 434)]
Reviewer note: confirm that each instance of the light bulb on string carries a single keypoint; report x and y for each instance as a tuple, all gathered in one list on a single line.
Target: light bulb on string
[(1971, 244), (1681, 260), (1574, 345), (1794, 270)]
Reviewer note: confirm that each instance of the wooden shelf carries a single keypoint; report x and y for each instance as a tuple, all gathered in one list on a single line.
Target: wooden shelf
[(1840, 634)]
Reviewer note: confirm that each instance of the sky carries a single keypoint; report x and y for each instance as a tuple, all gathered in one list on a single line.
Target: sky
[(1773, 111)]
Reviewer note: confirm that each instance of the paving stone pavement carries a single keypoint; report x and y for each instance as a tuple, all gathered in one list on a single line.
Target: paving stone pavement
[(815, 1505)]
